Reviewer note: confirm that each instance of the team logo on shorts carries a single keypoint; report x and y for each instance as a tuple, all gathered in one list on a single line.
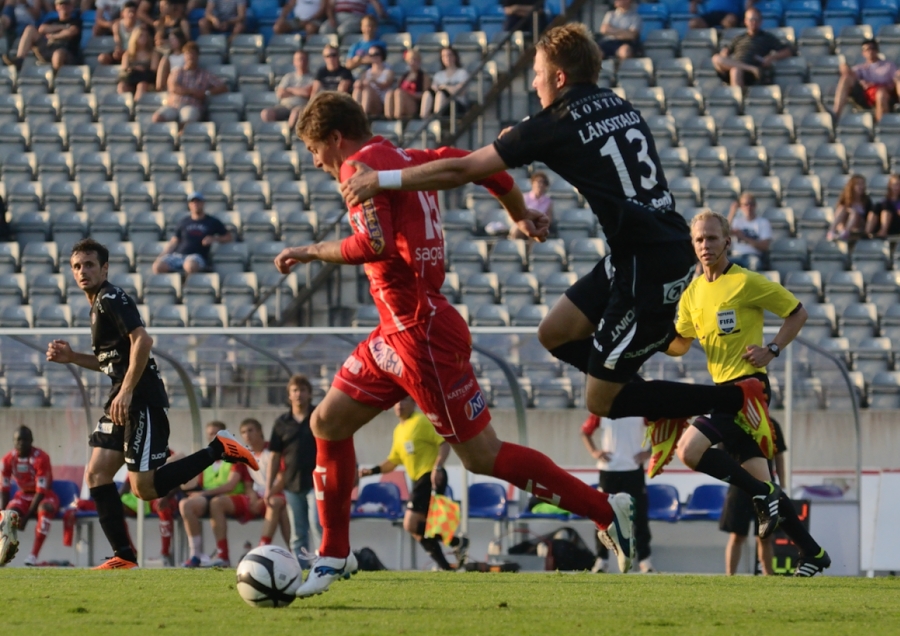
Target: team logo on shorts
[(727, 320), (385, 357), (475, 406)]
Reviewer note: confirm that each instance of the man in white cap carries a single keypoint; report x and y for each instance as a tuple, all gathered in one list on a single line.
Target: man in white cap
[(188, 250)]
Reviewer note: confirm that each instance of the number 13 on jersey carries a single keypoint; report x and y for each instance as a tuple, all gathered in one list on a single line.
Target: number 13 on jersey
[(611, 149)]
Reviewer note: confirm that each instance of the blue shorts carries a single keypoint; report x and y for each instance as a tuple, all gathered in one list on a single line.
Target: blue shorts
[(175, 261)]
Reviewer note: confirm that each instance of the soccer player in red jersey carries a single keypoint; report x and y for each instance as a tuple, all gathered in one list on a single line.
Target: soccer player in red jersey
[(30, 468), (421, 346)]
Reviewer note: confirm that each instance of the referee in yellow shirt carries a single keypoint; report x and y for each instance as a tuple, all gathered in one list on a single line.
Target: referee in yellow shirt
[(422, 452), (724, 308)]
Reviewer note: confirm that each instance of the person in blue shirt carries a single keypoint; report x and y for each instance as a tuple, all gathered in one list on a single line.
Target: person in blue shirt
[(717, 13), (188, 250), (358, 55)]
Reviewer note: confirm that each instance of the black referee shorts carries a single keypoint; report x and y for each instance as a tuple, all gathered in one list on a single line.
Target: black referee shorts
[(632, 295), (144, 439), (420, 497), (737, 513)]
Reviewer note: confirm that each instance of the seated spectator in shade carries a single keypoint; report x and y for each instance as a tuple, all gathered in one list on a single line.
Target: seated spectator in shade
[(107, 12), (189, 87), (172, 19), (57, 40), (741, 63), (751, 234), (293, 92), (519, 15), (122, 29), (172, 60), (621, 30), (872, 84), (301, 16), (19, 13), (405, 101), (851, 212), (447, 84), (716, 13), (358, 55), (188, 250), (345, 16), (536, 199), (333, 76), (224, 16), (373, 85), (884, 221), (138, 64)]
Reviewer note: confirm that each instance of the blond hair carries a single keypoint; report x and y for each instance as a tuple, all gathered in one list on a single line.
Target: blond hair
[(134, 40), (572, 49), (709, 214)]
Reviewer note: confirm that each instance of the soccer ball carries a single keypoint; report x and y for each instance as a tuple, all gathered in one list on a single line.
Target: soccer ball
[(268, 576)]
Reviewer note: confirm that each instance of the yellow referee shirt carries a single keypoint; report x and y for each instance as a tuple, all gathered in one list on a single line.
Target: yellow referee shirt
[(415, 445), (727, 316)]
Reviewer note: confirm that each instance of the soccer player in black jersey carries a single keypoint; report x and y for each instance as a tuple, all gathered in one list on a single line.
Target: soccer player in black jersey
[(617, 316), (134, 429)]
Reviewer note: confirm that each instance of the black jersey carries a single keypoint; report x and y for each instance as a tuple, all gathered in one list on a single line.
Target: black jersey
[(114, 315), (600, 144)]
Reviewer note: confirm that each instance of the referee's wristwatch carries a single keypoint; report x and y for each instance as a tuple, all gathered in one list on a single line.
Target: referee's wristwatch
[(774, 349)]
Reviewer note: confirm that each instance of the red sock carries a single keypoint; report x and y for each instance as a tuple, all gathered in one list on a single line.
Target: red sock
[(68, 527), (536, 473), (165, 531), (40, 533), (334, 477), (222, 545), (265, 540)]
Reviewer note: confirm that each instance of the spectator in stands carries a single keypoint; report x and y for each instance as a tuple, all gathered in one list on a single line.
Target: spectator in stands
[(621, 30), (148, 10), (293, 448), (716, 13), (188, 250), (224, 16), (536, 199), (741, 63), (872, 84), (252, 503), (620, 459), (29, 467), (345, 16), (405, 101), (19, 13), (448, 83), (122, 29), (221, 478), (189, 87), (371, 89), (333, 76), (107, 12), (422, 452), (851, 212), (301, 16), (359, 55), (139, 64), (172, 60), (884, 221), (752, 234), (172, 19), (57, 40), (293, 92), (519, 15)]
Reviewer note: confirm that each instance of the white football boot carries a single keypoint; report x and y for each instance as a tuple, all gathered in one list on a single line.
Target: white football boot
[(324, 571), (619, 536)]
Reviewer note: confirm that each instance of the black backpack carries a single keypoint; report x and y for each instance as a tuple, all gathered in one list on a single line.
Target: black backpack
[(368, 560)]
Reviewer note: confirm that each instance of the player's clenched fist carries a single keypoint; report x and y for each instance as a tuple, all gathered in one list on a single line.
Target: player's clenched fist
[(291, 256), (59, 351)]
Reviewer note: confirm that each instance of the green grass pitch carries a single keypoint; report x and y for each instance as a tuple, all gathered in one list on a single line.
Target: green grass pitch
[(201, 602)]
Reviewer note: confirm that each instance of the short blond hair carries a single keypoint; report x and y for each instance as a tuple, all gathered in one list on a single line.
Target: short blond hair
[(572, 49), (709, 214)]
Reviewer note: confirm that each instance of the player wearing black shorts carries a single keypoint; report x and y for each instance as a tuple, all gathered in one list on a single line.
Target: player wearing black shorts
[(611, 321), (134, 428)]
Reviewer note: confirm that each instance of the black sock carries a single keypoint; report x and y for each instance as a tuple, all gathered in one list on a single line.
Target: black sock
[(173, 474), (721, 465), (659, 398), (112, 520), (433, 548), (794, 529), (576, 353)]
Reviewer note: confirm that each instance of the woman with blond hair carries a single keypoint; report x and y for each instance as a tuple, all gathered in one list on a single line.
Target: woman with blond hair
[(138, 73), (852, 209)]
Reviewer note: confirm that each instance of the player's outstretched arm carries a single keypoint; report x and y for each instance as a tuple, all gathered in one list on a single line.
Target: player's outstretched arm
[(60, 351), (436, 175), (534, 224), (328, 251)]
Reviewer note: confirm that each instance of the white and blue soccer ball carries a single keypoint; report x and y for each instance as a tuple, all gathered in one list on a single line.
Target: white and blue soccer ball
[(268, 576)]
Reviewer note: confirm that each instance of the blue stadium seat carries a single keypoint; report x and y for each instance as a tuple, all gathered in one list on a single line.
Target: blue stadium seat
[(663, 502), (378, 501), (706, 503)]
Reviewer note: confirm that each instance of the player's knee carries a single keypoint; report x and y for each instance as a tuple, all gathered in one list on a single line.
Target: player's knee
[(46, 508), (690, 454)]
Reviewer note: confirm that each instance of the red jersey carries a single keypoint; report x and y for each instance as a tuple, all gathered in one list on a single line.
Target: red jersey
[(398, 236), (31, 473)]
